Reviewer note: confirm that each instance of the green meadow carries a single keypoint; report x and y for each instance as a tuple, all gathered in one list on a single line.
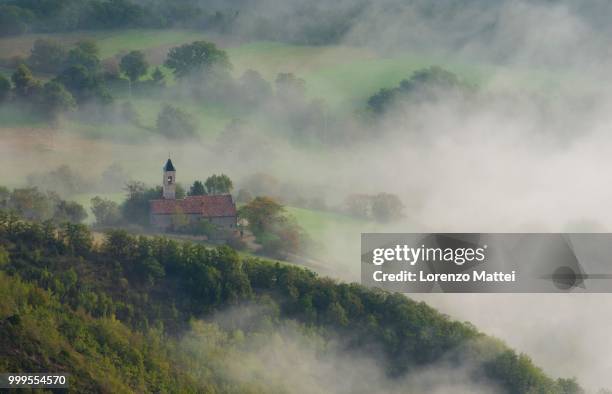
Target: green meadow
[(318, 223)]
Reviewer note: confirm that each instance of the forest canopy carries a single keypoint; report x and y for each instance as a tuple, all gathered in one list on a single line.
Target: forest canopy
[(129, 299)]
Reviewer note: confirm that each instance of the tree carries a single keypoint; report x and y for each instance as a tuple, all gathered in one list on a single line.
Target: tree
[(261, 213), (85, 54), (69, 211), (5, 88), (14, 20), (218, 184), (107, 212), (423, 85), (380, 101), (158, 77), (433, 76), (569, 386), (197, 189), (134, 65), (89, 47), (283, 237), (116, 13), (135, 208), (84, 84), (31, 204), (179, 191), (119, 245), (199, 57), (386, 207), (174, 122), (77, 238), (25, 84), (151, 269), (55, 99), (47, 56)]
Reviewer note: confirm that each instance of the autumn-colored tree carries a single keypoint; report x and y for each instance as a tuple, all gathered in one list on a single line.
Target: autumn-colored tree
[(261, 213)]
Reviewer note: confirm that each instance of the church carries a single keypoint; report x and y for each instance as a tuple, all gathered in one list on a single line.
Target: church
[(220, 210)]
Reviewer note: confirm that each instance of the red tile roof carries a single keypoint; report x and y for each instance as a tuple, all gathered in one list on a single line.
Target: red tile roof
[(209, 206)]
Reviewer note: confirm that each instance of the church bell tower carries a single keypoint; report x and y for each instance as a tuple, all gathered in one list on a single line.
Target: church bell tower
[(169, 181)]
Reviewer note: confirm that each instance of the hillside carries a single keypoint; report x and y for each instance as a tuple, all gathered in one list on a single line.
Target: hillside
[(118, 317)]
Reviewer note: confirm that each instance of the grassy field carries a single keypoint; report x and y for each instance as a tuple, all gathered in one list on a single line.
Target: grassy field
[(109, 42), (319, 224)]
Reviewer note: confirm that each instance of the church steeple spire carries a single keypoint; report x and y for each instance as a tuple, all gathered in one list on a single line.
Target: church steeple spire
[(169, 166)]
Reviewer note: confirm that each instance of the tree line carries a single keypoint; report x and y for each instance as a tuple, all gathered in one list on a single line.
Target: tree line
[(426, 85), (33, 204), (33, 16)]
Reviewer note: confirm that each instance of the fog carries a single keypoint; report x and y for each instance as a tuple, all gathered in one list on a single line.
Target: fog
[(515, 158), (286, 357)]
